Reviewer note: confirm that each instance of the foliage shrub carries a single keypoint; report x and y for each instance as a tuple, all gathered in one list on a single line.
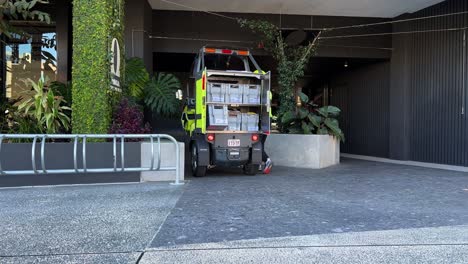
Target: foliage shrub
[(136, 78), (129, 119), (160, 94), (62, 89), (310, 119), (7, 109), (20, 9), (157, 93), (48, 111)]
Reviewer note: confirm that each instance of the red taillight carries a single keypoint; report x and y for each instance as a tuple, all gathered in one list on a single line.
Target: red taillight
[(203, 82), (210, 137), (255, 137), (226, 51)]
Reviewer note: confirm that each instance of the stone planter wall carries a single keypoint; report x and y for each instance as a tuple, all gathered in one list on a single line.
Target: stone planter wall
[(303, 151)]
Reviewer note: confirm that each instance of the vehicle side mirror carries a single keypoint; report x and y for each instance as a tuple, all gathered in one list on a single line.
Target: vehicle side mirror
[(180, 95), (191, 103)]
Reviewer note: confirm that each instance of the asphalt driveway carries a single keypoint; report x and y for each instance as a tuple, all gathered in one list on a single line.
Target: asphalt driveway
[(357, 212)]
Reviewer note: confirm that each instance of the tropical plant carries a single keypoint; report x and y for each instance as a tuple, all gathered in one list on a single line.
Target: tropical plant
[(128, 119), (21, 123), (47, 109), (15, 9), (136, 78), (7, 108), (64, 90), (160, 94), (308, 119), (292, 60), (13, 121)]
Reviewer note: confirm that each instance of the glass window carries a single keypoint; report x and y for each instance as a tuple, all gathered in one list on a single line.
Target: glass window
[(224, 62), (30, 56)]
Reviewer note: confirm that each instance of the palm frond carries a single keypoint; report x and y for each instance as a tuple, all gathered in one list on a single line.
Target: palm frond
[(160, 94)]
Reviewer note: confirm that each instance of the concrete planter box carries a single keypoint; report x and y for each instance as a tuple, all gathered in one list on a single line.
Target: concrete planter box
[(167, 160), (303, 151), (17, 156)]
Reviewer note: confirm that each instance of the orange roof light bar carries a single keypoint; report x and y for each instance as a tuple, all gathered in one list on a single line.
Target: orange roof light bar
[(210, 50), (243, 53), (227, 51)]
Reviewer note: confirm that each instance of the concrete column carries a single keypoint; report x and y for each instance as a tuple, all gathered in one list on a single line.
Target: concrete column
[(64, 37), (138, 28)]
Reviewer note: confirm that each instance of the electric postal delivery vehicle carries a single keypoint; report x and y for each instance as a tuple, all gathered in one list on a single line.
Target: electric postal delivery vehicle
[(227, 111)]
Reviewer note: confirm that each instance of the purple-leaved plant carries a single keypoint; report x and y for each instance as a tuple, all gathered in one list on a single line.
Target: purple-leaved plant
[(128, 119)]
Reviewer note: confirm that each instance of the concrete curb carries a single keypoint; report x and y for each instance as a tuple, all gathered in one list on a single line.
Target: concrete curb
[(408, 163)]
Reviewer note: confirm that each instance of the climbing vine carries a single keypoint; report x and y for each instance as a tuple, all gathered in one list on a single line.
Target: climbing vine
[(95, 25)]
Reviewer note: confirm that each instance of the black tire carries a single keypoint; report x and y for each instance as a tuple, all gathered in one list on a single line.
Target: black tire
[(197, 171), (251, 169)]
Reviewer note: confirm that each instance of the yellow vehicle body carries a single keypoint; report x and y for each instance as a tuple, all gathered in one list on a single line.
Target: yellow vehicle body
[(211, 145)]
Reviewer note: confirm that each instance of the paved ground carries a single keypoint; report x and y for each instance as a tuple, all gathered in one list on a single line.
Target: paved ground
[(358, 212), (86, 224)]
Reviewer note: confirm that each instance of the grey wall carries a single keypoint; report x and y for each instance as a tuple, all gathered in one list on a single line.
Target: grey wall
[(362, 94), (138, 27), (429, 91), (198, 25)]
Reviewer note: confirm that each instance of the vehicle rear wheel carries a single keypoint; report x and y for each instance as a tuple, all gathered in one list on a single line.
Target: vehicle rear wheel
[(251, 169), (197, 171)]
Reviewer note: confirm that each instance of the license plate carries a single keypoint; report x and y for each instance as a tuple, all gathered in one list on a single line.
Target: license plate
[(233, 142)]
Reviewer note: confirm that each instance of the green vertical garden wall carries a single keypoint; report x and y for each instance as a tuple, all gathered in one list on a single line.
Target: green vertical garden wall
[(95, 24)]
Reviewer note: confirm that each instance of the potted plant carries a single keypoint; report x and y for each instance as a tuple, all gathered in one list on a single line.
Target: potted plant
[(310, 135)]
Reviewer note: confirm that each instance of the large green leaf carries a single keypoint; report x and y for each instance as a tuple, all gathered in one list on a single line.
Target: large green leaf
[(63, 90), (306, 128), (323, 112), (296, 130), (288, 117), (334, 127), (303, 113), (136, 77), (315, 120), (322, 131), (304, 97), (160, 94), (332, 110)]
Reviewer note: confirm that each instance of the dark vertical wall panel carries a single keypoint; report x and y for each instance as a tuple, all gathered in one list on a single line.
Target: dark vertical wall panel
[(362, 94), (399, 101), (429, 69)]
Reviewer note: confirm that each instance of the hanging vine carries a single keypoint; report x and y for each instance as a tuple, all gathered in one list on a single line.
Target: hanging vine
[(292, 61)]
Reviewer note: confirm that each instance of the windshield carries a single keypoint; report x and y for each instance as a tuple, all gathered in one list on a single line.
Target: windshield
[(222, 62)]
